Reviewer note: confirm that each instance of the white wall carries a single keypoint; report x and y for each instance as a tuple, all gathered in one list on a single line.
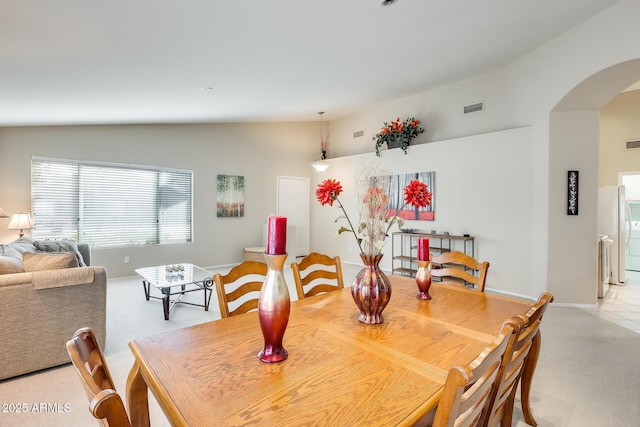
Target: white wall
[(525, 93), (482, 187), (619, 123), (575, 138), (259, 152)]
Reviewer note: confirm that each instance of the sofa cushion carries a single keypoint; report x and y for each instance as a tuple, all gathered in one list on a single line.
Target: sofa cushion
[(48, 261), (21, 245), (16, 249), (60, 246), (9, 265)]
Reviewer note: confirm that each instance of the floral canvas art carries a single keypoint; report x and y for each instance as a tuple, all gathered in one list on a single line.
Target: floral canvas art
[(396, 185), (374, 204)]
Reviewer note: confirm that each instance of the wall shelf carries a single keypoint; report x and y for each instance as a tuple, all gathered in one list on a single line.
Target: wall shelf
[(404, 249)]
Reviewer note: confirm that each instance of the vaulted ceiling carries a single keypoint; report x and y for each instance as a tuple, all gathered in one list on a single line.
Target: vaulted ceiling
[(161, 61)]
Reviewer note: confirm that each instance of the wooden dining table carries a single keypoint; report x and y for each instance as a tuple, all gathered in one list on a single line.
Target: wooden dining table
[(339, 372)]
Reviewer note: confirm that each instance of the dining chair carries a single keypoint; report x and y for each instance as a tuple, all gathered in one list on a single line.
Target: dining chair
[(512, 364), (317, 273), (461, 267), (527, 348), (105, 404), (240, 287), (468, 389)]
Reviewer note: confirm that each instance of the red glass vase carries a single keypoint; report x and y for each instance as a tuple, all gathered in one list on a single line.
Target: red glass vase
[(371, 290), (423, 279), (274, 307)]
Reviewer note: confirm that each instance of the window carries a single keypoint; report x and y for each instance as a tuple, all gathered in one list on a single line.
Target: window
[(110, 205)]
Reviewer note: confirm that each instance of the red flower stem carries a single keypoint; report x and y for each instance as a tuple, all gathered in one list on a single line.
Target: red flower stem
[(386, 233), (353, 230)]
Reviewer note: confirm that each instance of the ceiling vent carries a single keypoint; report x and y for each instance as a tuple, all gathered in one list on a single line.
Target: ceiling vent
[(633, 144), (474, 108)]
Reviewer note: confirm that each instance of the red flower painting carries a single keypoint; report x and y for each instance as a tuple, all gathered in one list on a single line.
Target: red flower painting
[(375, 218)]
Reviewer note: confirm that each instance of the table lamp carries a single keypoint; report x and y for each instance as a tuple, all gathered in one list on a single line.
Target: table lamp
[(3, 214), (20, 221)]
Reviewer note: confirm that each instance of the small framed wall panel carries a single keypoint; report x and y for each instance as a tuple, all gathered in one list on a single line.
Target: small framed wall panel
[(572, 192), (230, 198)]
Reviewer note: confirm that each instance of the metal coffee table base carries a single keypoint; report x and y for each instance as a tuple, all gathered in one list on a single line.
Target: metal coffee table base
[(169, 303)]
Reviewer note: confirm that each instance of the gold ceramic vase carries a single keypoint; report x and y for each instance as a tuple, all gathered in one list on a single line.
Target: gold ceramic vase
[(274, 306), (423, 279)]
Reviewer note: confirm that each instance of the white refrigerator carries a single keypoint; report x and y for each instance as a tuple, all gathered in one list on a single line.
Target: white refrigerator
[(614, 220)]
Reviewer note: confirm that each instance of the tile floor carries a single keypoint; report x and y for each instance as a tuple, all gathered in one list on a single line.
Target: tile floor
[(621, 304)]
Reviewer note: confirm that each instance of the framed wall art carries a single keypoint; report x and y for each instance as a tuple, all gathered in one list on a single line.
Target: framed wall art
[(230, 197), (396, 184), (572, 192)]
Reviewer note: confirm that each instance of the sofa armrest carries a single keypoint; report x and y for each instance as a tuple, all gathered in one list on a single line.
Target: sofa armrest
[(85, 251), (15, 279), (47, 279), (40, 321)]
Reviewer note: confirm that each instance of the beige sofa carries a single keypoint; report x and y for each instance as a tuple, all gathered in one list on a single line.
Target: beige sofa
[(40, 309)]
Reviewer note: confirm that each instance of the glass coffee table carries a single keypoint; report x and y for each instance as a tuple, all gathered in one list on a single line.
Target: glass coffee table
[(175, 280)]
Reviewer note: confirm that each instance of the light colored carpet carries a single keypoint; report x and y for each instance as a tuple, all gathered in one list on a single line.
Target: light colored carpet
[(587, 373)]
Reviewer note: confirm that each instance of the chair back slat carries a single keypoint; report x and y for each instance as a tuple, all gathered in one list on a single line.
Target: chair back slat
[(317, 273), (243, 281), (460, 266)]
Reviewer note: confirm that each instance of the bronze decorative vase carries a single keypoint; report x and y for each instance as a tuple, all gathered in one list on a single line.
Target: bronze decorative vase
[(423, 279), (274, 306), (371, 290)]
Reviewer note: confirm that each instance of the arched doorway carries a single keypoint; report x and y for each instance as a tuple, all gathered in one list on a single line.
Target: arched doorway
[(573, 145)]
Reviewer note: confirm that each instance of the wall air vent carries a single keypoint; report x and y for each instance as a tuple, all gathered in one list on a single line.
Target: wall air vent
[(473, 108), (633, 144), (358, 134)]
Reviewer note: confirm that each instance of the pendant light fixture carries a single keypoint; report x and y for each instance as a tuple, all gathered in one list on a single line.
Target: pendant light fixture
[(320, 165)]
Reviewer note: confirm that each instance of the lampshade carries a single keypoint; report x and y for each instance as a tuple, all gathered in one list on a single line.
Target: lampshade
[(320, 165), (20, 221), (3, 214)]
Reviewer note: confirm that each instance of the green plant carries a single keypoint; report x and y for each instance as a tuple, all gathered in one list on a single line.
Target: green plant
[(402, 132)]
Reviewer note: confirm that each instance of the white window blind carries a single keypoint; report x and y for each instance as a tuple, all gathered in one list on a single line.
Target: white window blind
[(110, 205)]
